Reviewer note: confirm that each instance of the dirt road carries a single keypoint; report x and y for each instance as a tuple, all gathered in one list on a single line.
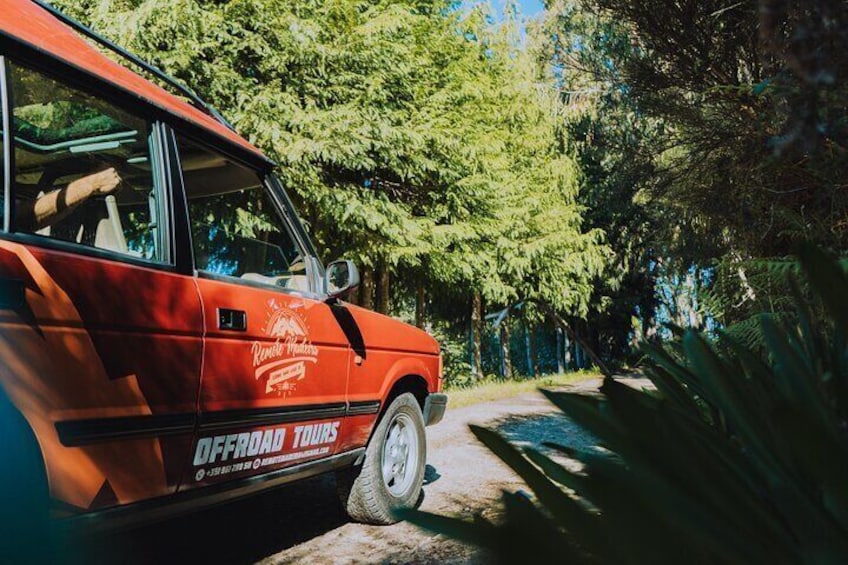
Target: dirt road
[(303, 522)]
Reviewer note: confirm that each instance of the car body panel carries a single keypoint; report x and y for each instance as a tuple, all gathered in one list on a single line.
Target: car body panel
[(79, 349), (237, 452), (291, 361), (284, 330), (392, 350)]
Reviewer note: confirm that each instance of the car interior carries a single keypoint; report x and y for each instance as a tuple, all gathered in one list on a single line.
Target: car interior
[(236, 227), (63, 135)]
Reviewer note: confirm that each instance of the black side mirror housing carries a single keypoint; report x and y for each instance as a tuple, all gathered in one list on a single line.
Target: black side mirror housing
[(341, 277)]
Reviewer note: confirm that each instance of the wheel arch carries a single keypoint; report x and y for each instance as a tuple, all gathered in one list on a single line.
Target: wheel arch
[(416, 374), (412, 383)]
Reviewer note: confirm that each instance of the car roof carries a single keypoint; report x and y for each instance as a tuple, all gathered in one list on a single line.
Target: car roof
[(26, 22)]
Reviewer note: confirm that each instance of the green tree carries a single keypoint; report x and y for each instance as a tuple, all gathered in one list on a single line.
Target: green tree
[(613, 141), (419, 140), (712, 138)]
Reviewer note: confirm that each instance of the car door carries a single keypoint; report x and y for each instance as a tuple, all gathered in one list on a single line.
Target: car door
[(100, 334), (275, 363)]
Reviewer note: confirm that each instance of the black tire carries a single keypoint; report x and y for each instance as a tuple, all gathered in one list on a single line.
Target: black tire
[(26, 534), (364, 492)]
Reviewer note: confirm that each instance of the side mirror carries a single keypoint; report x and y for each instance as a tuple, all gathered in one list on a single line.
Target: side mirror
[(341, 277)]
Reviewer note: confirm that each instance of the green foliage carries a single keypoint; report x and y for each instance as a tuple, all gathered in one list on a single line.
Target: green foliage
[(454, 346), (755, 148), (752, 98), (411, 134), (736, 457), (613, 142), (710, 135)]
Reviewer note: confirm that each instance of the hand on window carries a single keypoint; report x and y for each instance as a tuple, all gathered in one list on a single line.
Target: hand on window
[(53, 206), (97, 184)]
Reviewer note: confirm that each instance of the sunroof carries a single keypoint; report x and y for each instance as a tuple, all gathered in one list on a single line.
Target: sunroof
[(57, 129), (50, 116)]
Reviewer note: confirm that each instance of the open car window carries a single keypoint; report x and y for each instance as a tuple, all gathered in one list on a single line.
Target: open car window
[(84, 169), (236, 227)]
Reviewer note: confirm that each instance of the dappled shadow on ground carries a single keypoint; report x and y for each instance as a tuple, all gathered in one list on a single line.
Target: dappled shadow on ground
[(431, 475), (534, 430), (239, 532)]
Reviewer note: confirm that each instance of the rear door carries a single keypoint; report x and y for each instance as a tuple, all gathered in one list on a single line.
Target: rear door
[(275, 364), (100, 334)]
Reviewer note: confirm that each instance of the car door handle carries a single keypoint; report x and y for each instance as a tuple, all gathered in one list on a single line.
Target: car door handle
[(234, 320)]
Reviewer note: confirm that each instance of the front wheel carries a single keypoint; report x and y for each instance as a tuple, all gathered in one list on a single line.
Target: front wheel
[(391, 476)]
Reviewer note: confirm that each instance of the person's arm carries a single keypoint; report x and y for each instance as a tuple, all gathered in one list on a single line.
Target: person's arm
[(55, 205)]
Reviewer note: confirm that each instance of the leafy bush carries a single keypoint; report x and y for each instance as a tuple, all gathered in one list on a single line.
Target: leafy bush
[(736, 457)]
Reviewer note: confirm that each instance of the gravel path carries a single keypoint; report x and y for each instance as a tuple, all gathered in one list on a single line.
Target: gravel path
[(303, 522)]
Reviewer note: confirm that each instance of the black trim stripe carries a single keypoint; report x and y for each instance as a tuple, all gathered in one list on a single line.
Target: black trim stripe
[(75, 433), (363, 408), (256, 417)]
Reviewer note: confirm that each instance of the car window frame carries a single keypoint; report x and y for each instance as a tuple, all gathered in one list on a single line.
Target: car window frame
[(317, 268), (288, 221), (7, 148), (161, 181)]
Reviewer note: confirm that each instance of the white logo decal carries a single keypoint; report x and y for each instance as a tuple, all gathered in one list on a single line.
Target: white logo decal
[(285, 326), (237, 446), (283, 362), (225, 454)]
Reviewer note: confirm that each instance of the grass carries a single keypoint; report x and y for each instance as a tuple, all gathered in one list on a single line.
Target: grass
[(490, 390)]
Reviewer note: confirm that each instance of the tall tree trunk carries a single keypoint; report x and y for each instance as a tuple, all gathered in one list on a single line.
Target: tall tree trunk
[(420, 306), (507, 360), (578, 349), (353, 297), (594, 340), (477, 331), (559, 355), (534, 358), (528, 350), (366, 289), (383, 289)]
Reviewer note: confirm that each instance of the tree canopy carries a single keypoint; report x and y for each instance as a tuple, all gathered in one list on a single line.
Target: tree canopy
[(416, 137), (626, 163)]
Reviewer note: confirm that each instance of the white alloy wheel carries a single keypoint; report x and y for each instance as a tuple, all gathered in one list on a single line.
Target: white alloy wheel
[(391, 476)]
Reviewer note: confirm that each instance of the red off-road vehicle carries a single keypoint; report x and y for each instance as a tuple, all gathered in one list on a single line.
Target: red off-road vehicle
[(169, 338)]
